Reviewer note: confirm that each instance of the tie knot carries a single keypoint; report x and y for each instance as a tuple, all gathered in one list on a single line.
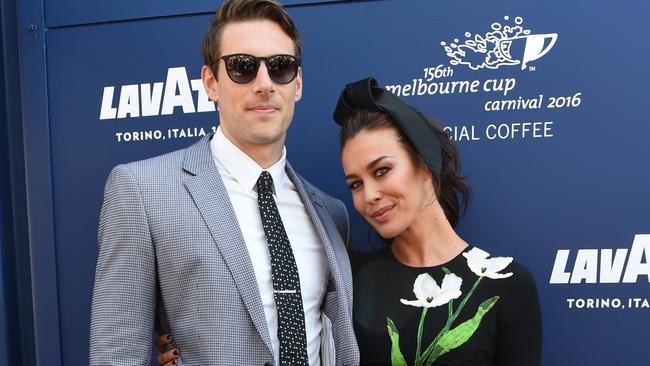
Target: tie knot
[(265, 182)]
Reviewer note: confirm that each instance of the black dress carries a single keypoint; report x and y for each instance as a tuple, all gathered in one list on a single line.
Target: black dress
[(509, 334)]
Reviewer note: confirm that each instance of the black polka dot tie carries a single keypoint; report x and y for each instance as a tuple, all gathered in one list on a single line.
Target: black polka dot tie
[(286, 283)]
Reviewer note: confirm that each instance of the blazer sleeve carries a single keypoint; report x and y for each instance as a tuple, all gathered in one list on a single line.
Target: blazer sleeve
[(124, 296)]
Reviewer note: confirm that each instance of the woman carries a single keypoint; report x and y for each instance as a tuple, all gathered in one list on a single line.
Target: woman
[(403, 173)]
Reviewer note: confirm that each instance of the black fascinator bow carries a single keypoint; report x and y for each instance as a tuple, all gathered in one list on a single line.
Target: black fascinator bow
[(367, 95)]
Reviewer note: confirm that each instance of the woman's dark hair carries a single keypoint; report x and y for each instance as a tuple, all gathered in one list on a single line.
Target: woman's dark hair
[(452, 190)]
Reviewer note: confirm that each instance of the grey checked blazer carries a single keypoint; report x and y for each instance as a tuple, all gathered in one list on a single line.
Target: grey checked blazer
[(172, 258)]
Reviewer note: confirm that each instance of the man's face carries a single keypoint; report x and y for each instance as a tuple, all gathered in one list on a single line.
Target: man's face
[(259, 112)]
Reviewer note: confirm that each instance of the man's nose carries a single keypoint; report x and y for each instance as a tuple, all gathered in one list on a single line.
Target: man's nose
[(262, 82)]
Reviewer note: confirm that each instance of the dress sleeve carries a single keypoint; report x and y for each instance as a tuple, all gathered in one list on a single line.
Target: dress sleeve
[(519, 322)]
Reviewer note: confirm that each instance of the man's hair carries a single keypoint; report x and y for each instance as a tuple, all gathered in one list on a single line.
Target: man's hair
[(232, 11)]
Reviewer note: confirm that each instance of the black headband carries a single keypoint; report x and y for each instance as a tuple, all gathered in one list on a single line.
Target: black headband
[(367, 95)]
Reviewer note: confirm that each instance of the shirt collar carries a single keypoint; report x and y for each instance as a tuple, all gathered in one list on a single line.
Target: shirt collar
[(244, 169)]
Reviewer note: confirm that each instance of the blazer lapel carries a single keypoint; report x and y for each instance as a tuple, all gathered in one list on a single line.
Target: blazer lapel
[(210, 196), (317, 212), (337, 308)]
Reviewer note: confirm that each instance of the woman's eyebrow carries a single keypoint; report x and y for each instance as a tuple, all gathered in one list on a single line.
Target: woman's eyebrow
[(376, 161), (370, 165)]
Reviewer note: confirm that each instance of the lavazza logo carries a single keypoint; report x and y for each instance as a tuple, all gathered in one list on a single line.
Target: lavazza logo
[(160, 98), (605, 266), (505, 45)]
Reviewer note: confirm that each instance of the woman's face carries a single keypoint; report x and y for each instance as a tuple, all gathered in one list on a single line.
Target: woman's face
[(388, 189)]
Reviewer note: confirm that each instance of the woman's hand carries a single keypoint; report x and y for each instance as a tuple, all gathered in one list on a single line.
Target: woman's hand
[(169, 358)]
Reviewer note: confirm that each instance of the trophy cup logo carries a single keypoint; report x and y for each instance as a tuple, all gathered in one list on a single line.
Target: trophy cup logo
[(504, 45)]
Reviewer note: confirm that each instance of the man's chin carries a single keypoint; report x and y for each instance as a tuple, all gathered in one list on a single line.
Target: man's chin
[(267, 133), (267, 139)]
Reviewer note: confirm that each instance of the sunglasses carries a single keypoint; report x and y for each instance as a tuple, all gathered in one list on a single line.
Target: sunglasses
[(242, 68)]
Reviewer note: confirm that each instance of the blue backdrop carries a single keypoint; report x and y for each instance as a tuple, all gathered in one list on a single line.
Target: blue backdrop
[(545, 99)]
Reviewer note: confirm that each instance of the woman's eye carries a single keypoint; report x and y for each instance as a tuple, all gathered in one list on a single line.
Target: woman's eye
[(381, 171), (354, 185)]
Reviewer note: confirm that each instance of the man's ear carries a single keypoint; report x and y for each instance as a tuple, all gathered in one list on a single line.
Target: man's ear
[(298, 94), (210, 83)]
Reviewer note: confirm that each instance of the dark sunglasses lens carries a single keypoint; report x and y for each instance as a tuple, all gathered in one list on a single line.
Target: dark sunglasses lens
[(241, 68), (282, 68)]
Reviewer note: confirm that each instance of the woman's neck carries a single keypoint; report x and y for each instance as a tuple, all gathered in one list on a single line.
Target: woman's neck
[(429, 241)]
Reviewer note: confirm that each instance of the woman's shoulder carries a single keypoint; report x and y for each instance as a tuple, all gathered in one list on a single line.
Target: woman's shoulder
[(520, 280), (521, 277), (517, 290)]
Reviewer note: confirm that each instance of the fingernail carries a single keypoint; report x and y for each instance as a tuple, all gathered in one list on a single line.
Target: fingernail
[(175, 352)]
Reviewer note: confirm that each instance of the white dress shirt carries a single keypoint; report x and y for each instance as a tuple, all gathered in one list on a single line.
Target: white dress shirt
[(239, 174)]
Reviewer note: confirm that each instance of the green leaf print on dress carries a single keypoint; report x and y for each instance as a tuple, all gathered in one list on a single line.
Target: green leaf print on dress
[(429, 295)]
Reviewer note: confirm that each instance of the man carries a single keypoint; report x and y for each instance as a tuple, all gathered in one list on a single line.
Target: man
[(183, 246)]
